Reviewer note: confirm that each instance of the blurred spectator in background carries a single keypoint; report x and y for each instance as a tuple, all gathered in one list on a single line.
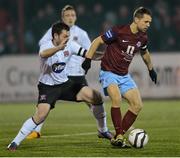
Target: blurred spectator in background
[(123, 14), (165, 32), (176, 24), (2, 47), (83, 15), (38, 25), (4, 19), (50, 13), (11, 40), (97, 14), (94, 16)]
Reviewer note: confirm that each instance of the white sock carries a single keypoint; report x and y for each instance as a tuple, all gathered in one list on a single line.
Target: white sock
[(27, 128), (100, 115), (38, 128)]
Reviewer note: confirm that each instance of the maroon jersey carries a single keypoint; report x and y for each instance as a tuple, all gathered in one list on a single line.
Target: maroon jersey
[(122, 45)]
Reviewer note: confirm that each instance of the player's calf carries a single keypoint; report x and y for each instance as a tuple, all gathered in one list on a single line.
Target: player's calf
[(97, 98), (135, 108)]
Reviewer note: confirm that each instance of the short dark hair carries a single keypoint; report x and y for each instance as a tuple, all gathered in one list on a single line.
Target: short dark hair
[(58, 27), (139, 12), (67, 7)]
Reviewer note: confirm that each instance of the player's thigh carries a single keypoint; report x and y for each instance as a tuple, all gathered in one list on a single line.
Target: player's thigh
[(106, 79), (89, 95), (49, 94), (134, 99), (70, 90), (114, 94), (81, 80)]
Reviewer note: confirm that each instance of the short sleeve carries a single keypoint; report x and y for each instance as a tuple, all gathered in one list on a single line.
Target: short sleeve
[(145, 44), (109, 36)]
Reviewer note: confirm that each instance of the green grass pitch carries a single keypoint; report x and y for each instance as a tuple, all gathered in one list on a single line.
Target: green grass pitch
[(70, 131)]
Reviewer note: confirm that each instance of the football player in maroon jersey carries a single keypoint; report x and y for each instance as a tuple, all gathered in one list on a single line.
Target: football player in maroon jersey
[(123, 42)]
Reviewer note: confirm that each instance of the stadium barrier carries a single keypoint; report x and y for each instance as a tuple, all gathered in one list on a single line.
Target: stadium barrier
[(19, 77)]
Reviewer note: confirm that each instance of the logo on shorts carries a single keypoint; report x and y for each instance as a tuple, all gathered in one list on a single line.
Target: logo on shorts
[(58, 67), (42, 97)]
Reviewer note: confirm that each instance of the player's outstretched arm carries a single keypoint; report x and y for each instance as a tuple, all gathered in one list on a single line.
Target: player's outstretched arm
[(86, 65), (147, 60), (98, 55), (48, 52), (94, 46)]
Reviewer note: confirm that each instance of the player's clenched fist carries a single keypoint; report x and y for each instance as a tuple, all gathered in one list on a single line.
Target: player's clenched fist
[(63, 44), (153, 75), (86, 65)]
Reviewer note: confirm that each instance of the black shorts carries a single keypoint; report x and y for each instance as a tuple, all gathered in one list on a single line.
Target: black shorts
[(81, 80), (66, 91), (77, 82)]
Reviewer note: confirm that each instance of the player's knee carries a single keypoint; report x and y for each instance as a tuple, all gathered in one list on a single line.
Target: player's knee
[(115, 98), (136, 107), (116, 101), (97, 98), (40, 116)]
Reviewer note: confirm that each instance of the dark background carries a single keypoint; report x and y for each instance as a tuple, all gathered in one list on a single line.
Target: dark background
[(23, 22)]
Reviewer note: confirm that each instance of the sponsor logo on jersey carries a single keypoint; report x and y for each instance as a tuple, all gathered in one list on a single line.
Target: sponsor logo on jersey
[(66, 53), (127, 56), (138, 44), (75, 38), (124, 41), (58, 67)]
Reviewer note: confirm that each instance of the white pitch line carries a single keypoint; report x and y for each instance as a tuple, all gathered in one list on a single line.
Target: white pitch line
[(70, 135), (62, 135)]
